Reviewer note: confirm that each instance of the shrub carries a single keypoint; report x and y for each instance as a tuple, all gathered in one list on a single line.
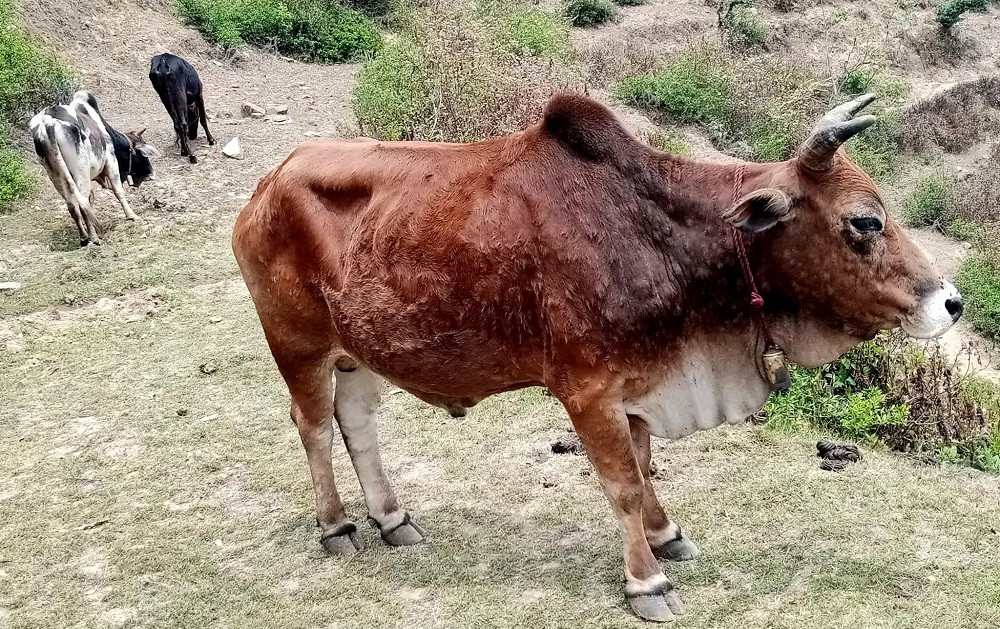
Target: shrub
[(314, 30), (951, 11), (876, 151), (954, 119), (930, 201), (530, 30), (29, 81), (29, 78), (448, 77), (589, 12), (979, 281), (742, 25)]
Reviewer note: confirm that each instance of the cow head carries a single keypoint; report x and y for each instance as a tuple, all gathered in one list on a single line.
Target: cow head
[(141, 154), (834, 258)]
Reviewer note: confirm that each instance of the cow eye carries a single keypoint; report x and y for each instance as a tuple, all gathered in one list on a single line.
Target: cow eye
[(865, 224)]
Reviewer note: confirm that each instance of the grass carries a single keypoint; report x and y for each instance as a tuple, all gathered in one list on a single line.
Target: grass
[(742, 25), (29, 80), (314, 30), (528, 30), (589, 13), (669, 141)]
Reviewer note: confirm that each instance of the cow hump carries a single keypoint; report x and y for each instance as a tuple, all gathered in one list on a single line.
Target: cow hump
[(586, 126)]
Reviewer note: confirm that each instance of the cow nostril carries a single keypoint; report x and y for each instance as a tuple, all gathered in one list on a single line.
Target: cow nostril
[(954, 307)]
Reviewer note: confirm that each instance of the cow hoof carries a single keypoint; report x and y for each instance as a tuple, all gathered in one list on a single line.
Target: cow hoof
[(657, 606), (406, 533), (680, 549), (457, 410), (343, 540), (211, 141), (192, 159)]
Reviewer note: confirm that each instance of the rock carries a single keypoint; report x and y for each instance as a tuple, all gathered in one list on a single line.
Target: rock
[(281, 119), (277, 109), (208, 368), (232, 148), (10, 287), (249, 109), (181, 412), (215, 319), (256, 115)]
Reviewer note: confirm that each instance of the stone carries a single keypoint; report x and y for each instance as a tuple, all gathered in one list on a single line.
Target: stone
[(10, 287), (249, 109), (232, 148), (277, 109)]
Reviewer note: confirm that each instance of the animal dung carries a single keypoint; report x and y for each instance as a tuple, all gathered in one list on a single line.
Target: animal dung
[(570, 444), (835, 456)]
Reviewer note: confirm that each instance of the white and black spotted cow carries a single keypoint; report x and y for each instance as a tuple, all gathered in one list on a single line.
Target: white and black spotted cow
[(77, 147)]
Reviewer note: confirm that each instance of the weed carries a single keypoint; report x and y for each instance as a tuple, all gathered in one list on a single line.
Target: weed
[(928, 204), (951, 11), (315, 30), (587, 13), (15, 180)]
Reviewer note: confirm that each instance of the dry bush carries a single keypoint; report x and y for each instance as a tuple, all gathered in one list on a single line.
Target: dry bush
[(611, 60), (954, 119)]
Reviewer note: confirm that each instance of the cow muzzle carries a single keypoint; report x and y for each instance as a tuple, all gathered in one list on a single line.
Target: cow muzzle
[(935, 314)]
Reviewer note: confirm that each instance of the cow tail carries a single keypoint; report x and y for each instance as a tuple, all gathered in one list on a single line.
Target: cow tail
[(63, 167)]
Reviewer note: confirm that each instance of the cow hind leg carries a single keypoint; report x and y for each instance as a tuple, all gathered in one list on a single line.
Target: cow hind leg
[(664, 536), (603, 428), (310, 383), (356, 405)]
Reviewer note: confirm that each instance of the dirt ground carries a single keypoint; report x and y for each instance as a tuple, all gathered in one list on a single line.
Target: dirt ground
[(138, 491)]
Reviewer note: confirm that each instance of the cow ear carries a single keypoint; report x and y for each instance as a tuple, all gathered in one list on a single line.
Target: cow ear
[(761, 209), (147, 150)]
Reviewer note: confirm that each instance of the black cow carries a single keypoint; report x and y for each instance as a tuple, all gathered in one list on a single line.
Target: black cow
[(180, 90), (77, 147)]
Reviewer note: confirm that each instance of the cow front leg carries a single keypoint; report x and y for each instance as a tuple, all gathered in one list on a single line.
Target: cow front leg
[(311, 387), (119, 192), (664, 536), (356, 405), (603, 428)]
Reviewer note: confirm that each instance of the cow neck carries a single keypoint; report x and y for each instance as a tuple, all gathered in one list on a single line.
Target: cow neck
[(773, 360)]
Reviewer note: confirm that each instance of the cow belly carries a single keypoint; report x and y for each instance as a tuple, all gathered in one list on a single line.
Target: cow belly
[(704, 391)]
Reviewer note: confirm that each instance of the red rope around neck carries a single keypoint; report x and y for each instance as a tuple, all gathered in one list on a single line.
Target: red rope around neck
[(756, 301)]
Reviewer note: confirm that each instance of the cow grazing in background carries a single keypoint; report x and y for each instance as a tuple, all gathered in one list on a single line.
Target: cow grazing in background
[(77, 146), (574, 257), (180, 91)]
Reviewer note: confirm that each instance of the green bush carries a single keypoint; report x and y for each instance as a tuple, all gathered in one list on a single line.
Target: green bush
[(314, 30), (978, 280), (29, 78), (589, 12), (951, 11), (744, 27), (15, 180), (876, 151), (696, 87), (527, 30), (930, 201), (390, 96)]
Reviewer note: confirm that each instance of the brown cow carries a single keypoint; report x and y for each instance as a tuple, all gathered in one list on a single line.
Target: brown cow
[(570, 256)]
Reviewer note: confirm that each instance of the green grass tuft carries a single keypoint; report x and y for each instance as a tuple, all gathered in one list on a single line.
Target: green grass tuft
[(314, 30), (951, 11), (669, 142)]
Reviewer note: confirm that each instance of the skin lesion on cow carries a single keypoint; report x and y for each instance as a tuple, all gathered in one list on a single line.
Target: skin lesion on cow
[(571, 256)]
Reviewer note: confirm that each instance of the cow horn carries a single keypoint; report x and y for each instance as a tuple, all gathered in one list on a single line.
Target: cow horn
[(835, 128)]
